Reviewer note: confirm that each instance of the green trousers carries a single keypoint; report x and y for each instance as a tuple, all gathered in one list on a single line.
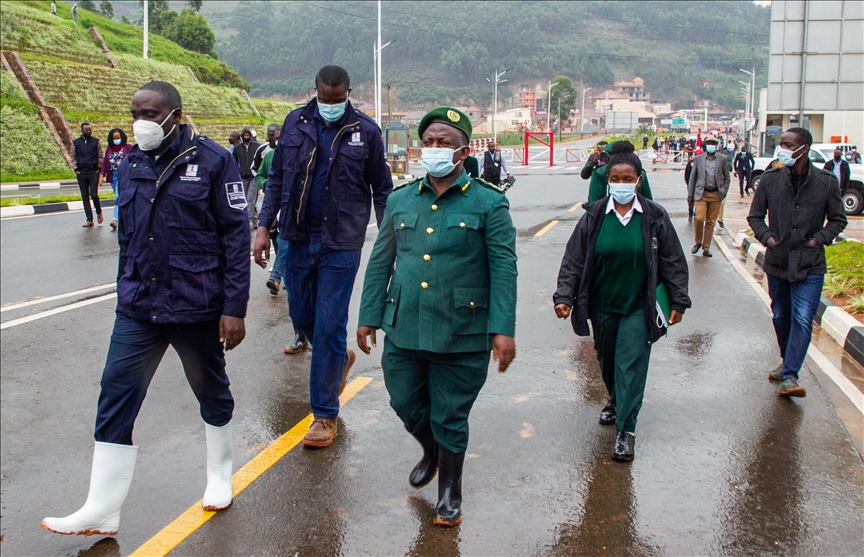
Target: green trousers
[(432, 389), (621, 343)]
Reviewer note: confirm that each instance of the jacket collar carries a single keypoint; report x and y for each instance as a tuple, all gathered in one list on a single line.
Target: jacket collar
[(461, 181)]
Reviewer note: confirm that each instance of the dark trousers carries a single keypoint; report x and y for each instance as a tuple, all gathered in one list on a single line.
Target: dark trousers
[(621, 344), (320, 282), (742, 178), (794, 306), (88, 183), (134, 354), (433, 389)]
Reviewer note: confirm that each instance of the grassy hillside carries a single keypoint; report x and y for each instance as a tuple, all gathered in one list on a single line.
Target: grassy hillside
[(73, 74)]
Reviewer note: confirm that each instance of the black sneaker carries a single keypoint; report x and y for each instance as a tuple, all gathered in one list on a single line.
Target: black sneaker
[(625, 446), (707, 253), (720, 222), (696, 249)]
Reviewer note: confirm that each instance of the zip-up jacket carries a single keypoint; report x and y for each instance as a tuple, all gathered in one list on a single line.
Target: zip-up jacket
[(184, 236), (358, 178), (664, 260)]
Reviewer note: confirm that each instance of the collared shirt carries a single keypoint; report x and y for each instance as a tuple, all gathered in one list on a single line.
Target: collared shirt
[(315, 209), (625, 220), (710, 174), (838, 166)]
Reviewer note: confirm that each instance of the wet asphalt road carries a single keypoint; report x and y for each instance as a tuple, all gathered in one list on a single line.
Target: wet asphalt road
[(723, 466)]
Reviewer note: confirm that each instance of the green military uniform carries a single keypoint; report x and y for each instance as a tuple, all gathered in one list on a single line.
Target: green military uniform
[(472, 167), (454, 286)]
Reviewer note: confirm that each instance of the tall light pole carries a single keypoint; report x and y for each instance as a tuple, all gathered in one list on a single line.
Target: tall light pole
[(582, 114), (146, 23), (752, 76), (549, 107), (746, 91), (559, 115), (495, 100), (376, 73)]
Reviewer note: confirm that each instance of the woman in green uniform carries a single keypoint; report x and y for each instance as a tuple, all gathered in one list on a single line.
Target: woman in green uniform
[(620, 252)]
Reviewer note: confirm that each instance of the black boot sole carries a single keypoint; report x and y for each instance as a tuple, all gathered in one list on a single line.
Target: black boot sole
[(424, 484)]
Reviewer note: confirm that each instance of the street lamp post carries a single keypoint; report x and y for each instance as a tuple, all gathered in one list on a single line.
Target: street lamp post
[(549, 107), (376, 77), (495, 100), (559, 115), (747, 107), (752, 75), (582, 115), (146, 23)]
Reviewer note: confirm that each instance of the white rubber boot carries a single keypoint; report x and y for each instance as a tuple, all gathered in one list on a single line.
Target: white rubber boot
[(110, 478), (220, 461)]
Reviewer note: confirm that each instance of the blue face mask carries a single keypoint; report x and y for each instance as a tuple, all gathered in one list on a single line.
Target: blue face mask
[(117, 141), (710, 149), (623, 192), (785, 156), (331, 112), (438, 161)]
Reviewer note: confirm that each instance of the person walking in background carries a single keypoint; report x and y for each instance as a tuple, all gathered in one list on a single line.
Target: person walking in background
[(707, 187), (620, 252), (795, 243), (328, 169), (75, 12), (117, 150), (244, 154), (744, 164), (233, 139), (595, 159), (53, 7), (688, 170), (840, 169), (272, 140), (644, 142), (493, 164), (88, 161), (599, 186)]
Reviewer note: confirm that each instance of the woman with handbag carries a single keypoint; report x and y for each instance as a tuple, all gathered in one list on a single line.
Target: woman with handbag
[(623, 256)]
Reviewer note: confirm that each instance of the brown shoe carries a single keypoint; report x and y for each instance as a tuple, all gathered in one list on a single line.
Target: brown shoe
[(351, 358), (88, 224), (99, 218), (321, 433)]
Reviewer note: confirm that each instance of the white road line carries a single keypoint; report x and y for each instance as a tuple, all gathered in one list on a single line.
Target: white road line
[(28, 303), (855, 396), (55, 311)]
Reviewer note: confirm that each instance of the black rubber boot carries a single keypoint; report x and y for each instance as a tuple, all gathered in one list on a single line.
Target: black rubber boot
[(449, 509), (426, 469)]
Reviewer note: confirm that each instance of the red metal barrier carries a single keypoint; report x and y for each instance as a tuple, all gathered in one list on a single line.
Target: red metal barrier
[(574, 153), (518, 154), (550, 144)]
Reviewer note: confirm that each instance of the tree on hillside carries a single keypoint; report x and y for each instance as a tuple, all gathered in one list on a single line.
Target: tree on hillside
[(195, 5), (88, 5), (566, 93), (106, 9), (190, 30)]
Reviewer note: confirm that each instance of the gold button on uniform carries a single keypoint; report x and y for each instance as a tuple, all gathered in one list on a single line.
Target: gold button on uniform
[(427, 257), (461, 225), (472, 304), (434, 207), (424, 285), (402, 225), (429, 231)]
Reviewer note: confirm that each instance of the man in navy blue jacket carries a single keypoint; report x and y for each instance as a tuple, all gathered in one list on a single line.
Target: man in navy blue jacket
[(183, 280), (328, 170)]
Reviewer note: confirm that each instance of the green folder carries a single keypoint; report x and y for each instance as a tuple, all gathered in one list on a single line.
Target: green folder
[(664, 307)]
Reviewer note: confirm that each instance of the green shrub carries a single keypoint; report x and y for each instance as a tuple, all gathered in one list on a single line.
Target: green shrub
[(26, 146)]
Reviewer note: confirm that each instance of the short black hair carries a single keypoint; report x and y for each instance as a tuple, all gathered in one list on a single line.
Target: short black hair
[(333, 76), (274, 126), (629, 159), (84, 124), (619, 147), (803, 135), (602, 142), (122, 136), (168, 92)]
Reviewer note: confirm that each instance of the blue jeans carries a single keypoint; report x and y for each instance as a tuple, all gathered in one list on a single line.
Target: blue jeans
[(794, 305), (281, 247), (320, 282), (134, 354), (114, 187)]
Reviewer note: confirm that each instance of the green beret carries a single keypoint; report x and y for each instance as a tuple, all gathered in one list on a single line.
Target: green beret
[(710, 139), (445, 115)]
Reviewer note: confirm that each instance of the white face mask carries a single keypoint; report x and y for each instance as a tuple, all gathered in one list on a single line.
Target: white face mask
[(150, 135), (623, 192), (438, 161)]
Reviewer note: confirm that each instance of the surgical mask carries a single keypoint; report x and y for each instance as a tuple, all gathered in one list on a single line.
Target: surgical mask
[(331, 112), (117, 141), (438, 161), (710, 149), (150, 135), (623, 192), (785, 156)]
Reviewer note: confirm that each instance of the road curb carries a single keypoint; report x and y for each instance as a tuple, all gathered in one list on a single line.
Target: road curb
[(847, 331), (38, 185), (25, 210)]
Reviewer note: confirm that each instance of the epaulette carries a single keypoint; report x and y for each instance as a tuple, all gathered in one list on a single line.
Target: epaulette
[(414, 181), (205, 141), (489, 185)]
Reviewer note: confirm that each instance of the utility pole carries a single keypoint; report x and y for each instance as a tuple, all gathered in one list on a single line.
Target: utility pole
[(146, 21), (389, 113), (549, 107), (559, 115), (378, 82), (582, 114), (495, 100)]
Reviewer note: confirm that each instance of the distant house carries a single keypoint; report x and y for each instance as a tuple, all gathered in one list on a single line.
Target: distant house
[(633, 90), (366, 108)]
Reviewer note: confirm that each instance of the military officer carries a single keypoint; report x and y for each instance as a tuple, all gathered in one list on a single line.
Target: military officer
[(450, 300), (183, 280)]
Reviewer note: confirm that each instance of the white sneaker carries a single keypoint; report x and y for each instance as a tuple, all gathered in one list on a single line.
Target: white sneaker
[(220, 461)]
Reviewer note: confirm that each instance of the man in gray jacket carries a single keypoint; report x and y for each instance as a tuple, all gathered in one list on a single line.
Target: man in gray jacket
[(798, 199), (708, 185)]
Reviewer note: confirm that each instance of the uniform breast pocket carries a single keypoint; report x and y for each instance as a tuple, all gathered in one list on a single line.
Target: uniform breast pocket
[(195, 282), (404, 225), (189, 204), (462, 231), (470, 311), (352, 164)]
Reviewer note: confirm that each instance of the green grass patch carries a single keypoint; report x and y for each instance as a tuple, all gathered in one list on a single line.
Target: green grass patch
[(845, 278), (43, 177), (27, 148), (17, 201)]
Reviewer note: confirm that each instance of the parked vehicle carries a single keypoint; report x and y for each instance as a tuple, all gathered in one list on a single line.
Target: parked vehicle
[(820, 153)]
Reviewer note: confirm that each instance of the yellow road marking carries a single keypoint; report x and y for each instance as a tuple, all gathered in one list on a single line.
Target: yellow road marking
[(195, 516), (546, 228), (574, 207)]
